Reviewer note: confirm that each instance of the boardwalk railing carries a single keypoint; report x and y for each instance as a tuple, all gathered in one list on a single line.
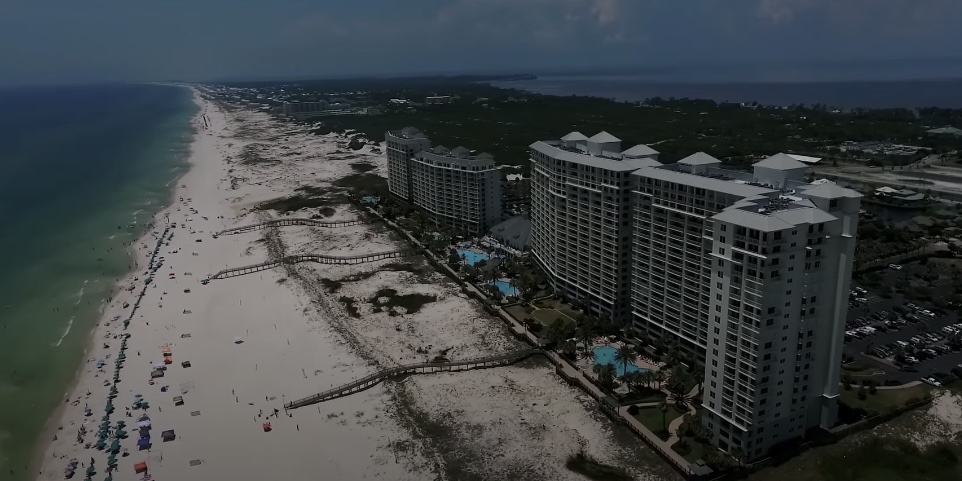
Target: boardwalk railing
[(285, 222), (419, 368), (318, 258)]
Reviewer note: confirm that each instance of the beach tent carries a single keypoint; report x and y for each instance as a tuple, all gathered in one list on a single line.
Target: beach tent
[(144, 424), (140, 468), (144, 432), (157, 373), (143, 443), (168, 435)]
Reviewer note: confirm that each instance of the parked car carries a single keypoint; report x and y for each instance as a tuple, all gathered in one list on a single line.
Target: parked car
[(895, 266), (932, 381)]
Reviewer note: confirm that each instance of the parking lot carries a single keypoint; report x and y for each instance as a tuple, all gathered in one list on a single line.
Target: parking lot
[(896, 337)]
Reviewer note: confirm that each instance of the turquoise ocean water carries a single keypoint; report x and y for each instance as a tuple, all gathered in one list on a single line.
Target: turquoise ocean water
[(82, 170)]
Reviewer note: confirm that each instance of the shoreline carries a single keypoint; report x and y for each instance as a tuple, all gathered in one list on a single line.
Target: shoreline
[(50, 428)]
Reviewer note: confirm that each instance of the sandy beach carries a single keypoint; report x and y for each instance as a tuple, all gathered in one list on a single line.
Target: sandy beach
[(258, 340)]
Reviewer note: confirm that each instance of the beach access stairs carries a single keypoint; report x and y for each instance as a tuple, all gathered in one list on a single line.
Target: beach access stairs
[(287, 222), (318, 258), (418, 368)]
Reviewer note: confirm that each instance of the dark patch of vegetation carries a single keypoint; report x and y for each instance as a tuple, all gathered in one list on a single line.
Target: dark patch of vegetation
[(412, 303), (362, 167), (350, 305), (892, 460), (333, 285), (587, 466), (363, 183), (308, 197), (252, 154)]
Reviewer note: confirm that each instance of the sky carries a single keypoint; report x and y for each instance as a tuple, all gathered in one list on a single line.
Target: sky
[(62, 41)]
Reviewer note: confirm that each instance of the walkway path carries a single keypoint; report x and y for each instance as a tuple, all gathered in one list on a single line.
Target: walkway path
[(418, 368), (319, 258), (286, 222)]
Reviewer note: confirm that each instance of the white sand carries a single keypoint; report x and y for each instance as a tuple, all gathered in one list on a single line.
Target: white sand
[(519, 422)]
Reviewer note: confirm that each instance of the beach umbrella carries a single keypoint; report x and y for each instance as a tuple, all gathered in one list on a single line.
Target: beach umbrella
[(113, 390), (91, 471), (144, 424), (109, 478), (145, 405), (105, 418), (121, 433), (101, 444), (105, 423), (121, 424), (115, 446)]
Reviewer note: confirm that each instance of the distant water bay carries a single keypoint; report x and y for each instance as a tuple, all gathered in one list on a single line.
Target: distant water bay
[(847, 95), (82, 169)]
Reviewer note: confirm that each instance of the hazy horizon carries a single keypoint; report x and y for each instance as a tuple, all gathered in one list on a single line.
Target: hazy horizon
[(55, 42)]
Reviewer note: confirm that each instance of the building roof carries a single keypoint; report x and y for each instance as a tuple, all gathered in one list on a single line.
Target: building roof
[(753, 220), (440, 149), (945, 130), (514, 232), (699, 158), (805, 159), (709, 183), (459, 150), (829, 190), (574, 137), (604, 138), (640, 150), (484, 155), (780, 162), (626, 165)]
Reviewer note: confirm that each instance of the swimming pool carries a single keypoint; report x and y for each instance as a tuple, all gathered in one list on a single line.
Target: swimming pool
[(472, 257), (606, 355), (506, 288)]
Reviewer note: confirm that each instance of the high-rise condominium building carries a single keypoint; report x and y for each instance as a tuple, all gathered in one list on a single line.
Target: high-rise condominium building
[(581, 217), (455, 187), (401, 147), (748, 272), (751, 273)]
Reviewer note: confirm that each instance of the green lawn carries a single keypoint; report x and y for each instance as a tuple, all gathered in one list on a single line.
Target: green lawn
[(651, 417), (547, 317), (520, 312), (884, 400), (695, 450), (644, 395)]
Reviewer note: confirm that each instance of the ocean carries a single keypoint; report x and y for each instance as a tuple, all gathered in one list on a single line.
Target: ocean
[(840, 94), (82, 170)]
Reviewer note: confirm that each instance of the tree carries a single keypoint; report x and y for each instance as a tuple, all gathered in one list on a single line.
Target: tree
[(678, 385), (663, 407), (658, 377), (526, 287), (634, 379), (625, 355), (568, 349), (605, 373), (587, 329)]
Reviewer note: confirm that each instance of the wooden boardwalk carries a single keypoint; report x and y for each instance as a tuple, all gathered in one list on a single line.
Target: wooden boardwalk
[(318, 258), (419, 368), (286, 222)]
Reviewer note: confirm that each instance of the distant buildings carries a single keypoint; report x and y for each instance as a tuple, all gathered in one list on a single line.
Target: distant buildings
[(899, 196), (455, 187), (947, 130), (748, 272), (437, 100), (304, 110)]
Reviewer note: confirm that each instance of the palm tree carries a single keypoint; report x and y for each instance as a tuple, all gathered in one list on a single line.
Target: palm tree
[(663, 407), (568, 349), (587, 330), (658, 377), (605, 373), (625, 355), (633, 379), (647, 377), (699, 378)]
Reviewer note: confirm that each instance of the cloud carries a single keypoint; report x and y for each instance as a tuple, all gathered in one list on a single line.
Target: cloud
[(606, 12), (780, 11)]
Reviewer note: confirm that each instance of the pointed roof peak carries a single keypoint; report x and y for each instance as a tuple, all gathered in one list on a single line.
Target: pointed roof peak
[(574, 136), (780, 161), (604, 138)]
